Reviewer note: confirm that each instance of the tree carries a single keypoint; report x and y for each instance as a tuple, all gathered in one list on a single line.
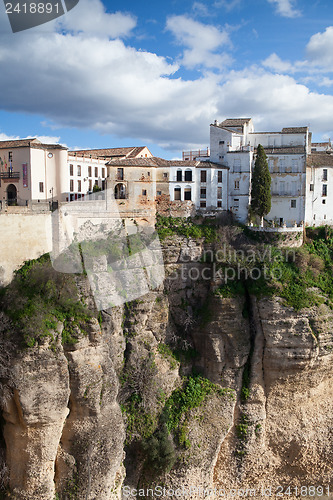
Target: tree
[(261, 185)]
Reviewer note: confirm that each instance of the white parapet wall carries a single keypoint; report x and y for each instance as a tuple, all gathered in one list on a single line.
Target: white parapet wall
[(22, 237)]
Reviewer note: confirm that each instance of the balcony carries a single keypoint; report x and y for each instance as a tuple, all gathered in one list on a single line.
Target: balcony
[(9, 175)]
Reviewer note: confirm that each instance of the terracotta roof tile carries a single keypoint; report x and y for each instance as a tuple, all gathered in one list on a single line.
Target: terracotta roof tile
[(26, 143), (320, 159), (108, 152), (294, 130)]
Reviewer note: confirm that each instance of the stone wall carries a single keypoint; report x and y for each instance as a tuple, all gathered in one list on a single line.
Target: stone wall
[(23, 236)]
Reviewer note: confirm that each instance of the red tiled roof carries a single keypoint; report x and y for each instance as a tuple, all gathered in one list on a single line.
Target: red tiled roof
[(129, 152), (320, 159), (294, 130), (29, 143), (153, 161)]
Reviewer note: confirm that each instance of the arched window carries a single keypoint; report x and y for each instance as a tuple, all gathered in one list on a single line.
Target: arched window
[(187, 193), (177, 195), (120, 191), (188, 175), (11, 194), (179, 176)]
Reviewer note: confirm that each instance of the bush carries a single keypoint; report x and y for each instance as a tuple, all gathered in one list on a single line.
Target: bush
[(160, 450), (39, 298)]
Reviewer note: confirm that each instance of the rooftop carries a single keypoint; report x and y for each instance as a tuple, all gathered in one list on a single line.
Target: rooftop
[(128, 152), (29, 143), (320, 159), (153, 161)]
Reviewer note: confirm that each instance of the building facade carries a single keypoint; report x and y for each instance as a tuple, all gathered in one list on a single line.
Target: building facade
[(31, 172)]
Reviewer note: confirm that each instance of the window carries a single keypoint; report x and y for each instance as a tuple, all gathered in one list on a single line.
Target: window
[(120, 174), (71, 169), (271, 165), (71, 185), (79, 186), (324, 216), (282, 165), (159, 193), (293, 203), (144, 192), (203, 193), (103, 173), (89, 171), (325, 174), (314, 216), (236, 184), (96, 183), (41, 187), (219, 204), (96, 171), (188, 175), (79, 170), (120, 192), (311, 187), (90, 185), (202, 204), (177, 193), (187, 193), (148, 173), (324, 202), (237, 165), (221, 142), (179, 176), (203, 176), (219, 176), (324, 192), (282, 187), (236, 202), (165, 175), (294, 166), (219, 193)]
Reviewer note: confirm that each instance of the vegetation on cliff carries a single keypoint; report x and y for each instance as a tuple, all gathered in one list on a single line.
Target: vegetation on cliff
[(40, 299), (302, 276)]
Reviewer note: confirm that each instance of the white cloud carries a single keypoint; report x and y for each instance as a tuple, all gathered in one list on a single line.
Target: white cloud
[(228, 5), (319, 50), (202, 42), (92, 82), (274, 63), (286, 8), (45, 139), (200, 9), (90, 16)]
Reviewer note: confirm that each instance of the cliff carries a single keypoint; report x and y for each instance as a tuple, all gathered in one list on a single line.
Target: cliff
[(196, 384)]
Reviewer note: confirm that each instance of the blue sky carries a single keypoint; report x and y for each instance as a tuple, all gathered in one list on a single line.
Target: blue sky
[(111, 74)]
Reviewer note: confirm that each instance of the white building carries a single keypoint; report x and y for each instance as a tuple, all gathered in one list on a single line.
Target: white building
[(32, 172), (233, 144)]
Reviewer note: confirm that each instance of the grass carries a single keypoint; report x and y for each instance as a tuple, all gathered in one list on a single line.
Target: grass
[(39, 299), (169, 226), (192, 395), (292, 275)]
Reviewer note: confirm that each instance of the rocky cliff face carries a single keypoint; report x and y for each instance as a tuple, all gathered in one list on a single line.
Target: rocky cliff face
[(66, 407)]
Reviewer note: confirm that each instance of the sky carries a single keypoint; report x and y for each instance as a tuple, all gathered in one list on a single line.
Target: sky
[(112, 74)]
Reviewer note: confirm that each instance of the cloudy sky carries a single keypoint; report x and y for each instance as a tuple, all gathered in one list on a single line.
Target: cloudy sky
[(111, 74)]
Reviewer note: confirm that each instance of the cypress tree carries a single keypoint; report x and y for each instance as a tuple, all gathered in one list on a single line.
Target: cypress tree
[(261, 185)]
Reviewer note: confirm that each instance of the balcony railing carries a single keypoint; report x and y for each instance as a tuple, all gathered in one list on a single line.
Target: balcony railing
[(9, 175)]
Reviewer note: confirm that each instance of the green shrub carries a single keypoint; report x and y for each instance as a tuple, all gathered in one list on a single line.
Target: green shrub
[(39, 298)]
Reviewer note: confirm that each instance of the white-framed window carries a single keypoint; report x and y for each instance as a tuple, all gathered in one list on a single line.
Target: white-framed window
[(203, 192), (324, 191), (79, 170), (71, 169), (41, 187)]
